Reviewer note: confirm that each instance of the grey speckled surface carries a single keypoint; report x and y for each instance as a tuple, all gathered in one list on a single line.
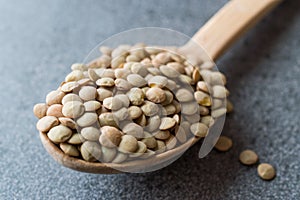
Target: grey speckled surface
[(40, 39)]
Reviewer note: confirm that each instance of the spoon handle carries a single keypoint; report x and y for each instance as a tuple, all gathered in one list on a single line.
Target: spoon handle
[(229, 23)]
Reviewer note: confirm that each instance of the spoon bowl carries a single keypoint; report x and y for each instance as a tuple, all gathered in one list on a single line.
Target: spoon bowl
[(207, 45), (160, 160)]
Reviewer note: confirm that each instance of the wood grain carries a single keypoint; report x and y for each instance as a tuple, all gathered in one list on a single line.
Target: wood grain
[(229, 23)]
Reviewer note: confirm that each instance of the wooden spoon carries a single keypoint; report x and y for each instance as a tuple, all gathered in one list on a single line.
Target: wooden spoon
[(224, 28)]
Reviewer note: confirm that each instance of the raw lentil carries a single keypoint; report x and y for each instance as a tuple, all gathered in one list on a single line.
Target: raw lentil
[(46, 123), (73, 109), (40, 110), (184, 95), (149, 108), (87, 93), (156, 95), (223, 144), (171, 142), (69, 86), (70, 97), (87, 119), (120, 157), (167, 123), (54, 97), (76, 139), (136, 96), (134, 112), (90, 133), (128, 144), (105, 82), (55, 110), (136, 80), (108, 119), (108, 154), (69, 149), (248, 157), (199, 129), (266, 171), (90, 151), (59, 133), (68, 122), (91, 106), (103, 93), (110, 136), (158, 81), (134, 130)]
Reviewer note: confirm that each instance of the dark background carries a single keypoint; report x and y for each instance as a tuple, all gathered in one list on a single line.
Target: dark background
[(39, 40)]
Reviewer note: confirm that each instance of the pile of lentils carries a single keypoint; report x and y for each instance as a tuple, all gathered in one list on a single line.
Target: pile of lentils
[(132, 102)]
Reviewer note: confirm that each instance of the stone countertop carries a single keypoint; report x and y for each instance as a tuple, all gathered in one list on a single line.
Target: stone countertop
[(39, 40)]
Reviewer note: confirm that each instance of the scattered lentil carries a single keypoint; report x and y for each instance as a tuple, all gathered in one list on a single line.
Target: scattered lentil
[(223, 144), (248, 157), (266, 171)]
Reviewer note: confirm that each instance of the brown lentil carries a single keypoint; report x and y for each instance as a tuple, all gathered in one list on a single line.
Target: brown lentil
[(223, 144)]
